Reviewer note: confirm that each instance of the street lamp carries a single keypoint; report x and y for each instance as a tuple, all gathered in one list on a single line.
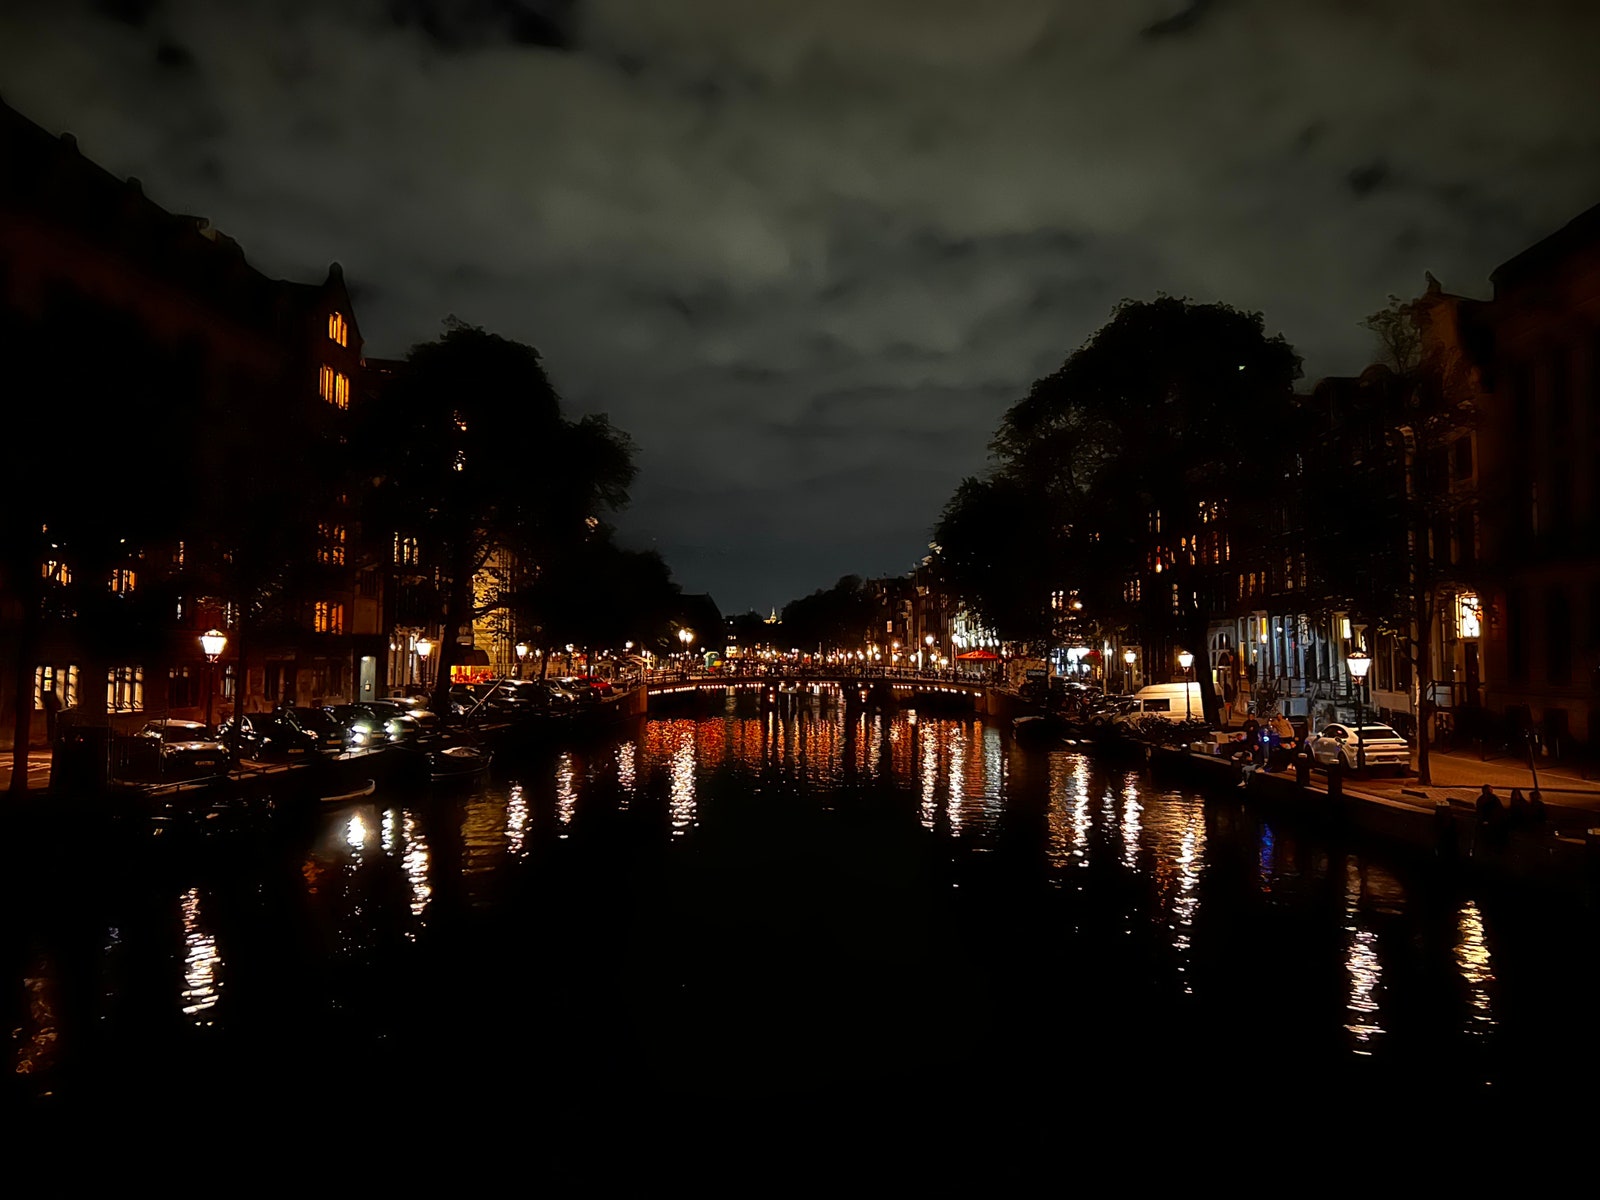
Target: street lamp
[(1186, 661), (522, 654), (1358, 665), (424, 648), (686, 636), (212, 642), (1130, 656)]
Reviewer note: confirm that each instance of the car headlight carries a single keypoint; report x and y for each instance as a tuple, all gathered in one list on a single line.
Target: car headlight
[(357, 736)]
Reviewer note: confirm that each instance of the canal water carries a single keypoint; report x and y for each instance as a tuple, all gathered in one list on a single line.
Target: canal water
[(737, 903)]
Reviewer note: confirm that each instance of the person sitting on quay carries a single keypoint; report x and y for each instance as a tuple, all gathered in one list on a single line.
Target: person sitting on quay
[(1491, 817), (1517, 813), (1536, 814)]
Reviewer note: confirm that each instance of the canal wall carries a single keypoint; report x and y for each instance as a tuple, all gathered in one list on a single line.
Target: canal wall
[(1448, 832)]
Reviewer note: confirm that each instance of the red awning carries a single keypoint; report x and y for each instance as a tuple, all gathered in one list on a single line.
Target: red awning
[(978, 656)]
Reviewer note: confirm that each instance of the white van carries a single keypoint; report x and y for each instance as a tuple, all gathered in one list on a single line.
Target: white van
[(1166, 700)]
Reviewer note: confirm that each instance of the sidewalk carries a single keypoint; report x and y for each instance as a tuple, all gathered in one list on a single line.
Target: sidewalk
[(1460, 776), (38, 771)]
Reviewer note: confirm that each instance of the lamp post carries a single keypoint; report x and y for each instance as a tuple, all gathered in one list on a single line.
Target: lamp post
[(1358, 664), (212, 642), (1130, 656), (424, 648), (522, 654), (1186, 661), (686, 636)]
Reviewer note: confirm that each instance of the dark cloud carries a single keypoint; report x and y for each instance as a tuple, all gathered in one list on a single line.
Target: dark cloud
[(806, 251), (1185, 18)]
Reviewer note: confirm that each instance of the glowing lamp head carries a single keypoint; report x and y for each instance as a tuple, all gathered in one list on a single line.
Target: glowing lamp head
[(1186, 660), (1359, 664), (1128, 656), (424, 647), (212, 642), (522, 650)]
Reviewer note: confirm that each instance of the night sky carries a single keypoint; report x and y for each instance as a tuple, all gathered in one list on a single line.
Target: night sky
[(807, 251)]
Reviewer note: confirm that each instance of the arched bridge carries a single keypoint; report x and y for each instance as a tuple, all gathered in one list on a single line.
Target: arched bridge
[(841, 686)]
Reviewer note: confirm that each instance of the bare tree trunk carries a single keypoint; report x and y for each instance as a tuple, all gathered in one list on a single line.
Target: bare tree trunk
[(458, 605), (22, 724), (1423, 667), (1198, 638)]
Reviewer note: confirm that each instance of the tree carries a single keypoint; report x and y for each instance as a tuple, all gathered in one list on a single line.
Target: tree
[(1000, 552), (1395, 329), (469, 452), (1147, 435), (1405, 540), (829, 618), (603, 596)]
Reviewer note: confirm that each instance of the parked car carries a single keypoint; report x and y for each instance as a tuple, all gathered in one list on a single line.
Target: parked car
[(418, 718), (580, 690), (266, 736), (520, 697), (364, 728), (603, 686), (464, 698), (186, 749), (331, 735), (556, 696), (1350, 745)]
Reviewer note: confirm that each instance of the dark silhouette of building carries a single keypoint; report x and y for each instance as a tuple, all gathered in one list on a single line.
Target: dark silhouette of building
[(169, 378)]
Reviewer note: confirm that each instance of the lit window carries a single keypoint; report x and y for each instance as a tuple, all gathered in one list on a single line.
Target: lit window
[(334, 386), (123, 580), (62, 681), (405, 551), (328, 617), (338, 331), (125, 689), (57, 572), (1469, 616), (177, 556), (331, 548)]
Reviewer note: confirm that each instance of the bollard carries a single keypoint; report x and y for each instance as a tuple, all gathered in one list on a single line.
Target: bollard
[(1335, 781), (1444, 829), (1302, 770)]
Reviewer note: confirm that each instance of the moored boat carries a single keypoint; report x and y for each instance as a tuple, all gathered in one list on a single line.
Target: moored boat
[(358, 793), (458, 762)]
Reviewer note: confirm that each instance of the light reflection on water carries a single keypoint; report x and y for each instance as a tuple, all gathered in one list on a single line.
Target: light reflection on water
[(414, 859), (1477, 969), (201, 962), (1120, 882), (566, 794)]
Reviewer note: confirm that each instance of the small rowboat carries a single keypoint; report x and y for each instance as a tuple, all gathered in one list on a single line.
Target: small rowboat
[(359, 793), (457, 762)]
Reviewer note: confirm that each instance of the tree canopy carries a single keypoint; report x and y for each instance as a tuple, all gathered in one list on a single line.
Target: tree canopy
[(1171, 422), (469, 451)]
